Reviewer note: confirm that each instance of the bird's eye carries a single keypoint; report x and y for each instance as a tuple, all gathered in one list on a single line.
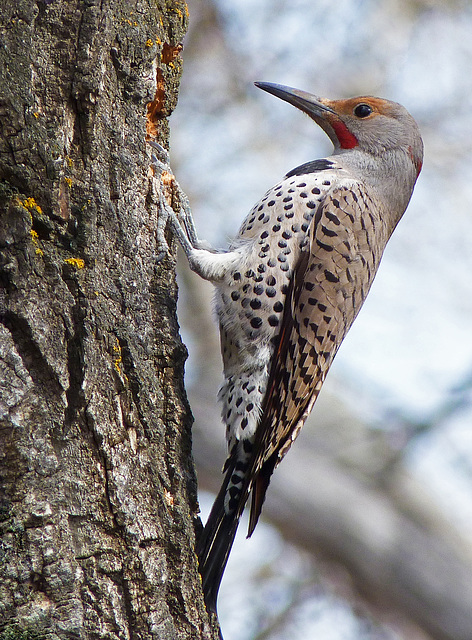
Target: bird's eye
[(362, 110)]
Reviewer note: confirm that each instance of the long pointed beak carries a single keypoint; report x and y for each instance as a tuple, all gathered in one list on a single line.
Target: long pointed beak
[(307, 102)]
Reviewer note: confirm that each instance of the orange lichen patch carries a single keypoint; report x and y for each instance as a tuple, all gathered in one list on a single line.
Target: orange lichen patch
[(35, 241), (78, 263), (182, 15), (118, 361), (31, 205)]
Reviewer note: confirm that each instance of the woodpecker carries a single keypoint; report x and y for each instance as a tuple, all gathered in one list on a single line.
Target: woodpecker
[(289, 287)]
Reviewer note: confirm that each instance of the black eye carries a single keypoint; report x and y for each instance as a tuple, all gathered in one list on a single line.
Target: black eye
[(362, 110)]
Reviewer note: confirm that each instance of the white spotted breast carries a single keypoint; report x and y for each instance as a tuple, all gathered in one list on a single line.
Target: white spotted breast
[(250, 299)]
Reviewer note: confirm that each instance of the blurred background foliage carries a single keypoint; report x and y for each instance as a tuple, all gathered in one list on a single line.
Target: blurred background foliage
[(390, 444)]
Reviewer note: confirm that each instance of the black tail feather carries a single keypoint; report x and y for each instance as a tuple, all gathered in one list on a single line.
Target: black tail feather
[(216, 539), (215, 542), (259, 489)]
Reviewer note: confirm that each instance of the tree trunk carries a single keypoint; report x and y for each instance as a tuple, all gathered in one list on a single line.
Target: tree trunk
[(98, 491)]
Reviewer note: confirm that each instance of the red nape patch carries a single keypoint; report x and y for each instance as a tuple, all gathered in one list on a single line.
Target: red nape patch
[(418, 163), (346, 139)]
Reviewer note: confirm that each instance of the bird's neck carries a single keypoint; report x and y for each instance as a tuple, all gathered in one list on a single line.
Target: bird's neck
[(391, 176)]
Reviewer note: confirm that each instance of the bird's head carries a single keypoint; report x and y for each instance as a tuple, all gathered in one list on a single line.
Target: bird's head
[(373, 125)]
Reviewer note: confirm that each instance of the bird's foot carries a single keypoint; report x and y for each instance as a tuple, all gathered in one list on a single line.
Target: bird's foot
[(182, 222)]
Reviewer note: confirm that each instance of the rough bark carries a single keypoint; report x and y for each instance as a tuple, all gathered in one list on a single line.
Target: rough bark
[(97, 487)]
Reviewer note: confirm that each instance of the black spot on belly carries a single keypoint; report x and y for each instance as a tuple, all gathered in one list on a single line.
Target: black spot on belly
[(247, 446)]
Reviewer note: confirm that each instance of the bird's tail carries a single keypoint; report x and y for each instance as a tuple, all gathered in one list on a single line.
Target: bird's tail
[(216, 540)]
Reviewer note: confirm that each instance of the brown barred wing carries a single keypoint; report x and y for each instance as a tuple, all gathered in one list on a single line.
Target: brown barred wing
[(327, 290)]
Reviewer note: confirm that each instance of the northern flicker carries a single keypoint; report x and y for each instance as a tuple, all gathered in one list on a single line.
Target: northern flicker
[(289, 287)]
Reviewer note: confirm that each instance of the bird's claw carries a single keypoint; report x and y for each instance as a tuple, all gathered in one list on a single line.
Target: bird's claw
[(160, 150), (182, 222)]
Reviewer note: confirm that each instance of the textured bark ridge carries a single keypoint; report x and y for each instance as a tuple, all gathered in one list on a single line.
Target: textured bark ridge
[(97, 486)]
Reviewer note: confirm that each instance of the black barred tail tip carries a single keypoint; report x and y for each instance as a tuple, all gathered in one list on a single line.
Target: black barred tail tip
[(216, 540)]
